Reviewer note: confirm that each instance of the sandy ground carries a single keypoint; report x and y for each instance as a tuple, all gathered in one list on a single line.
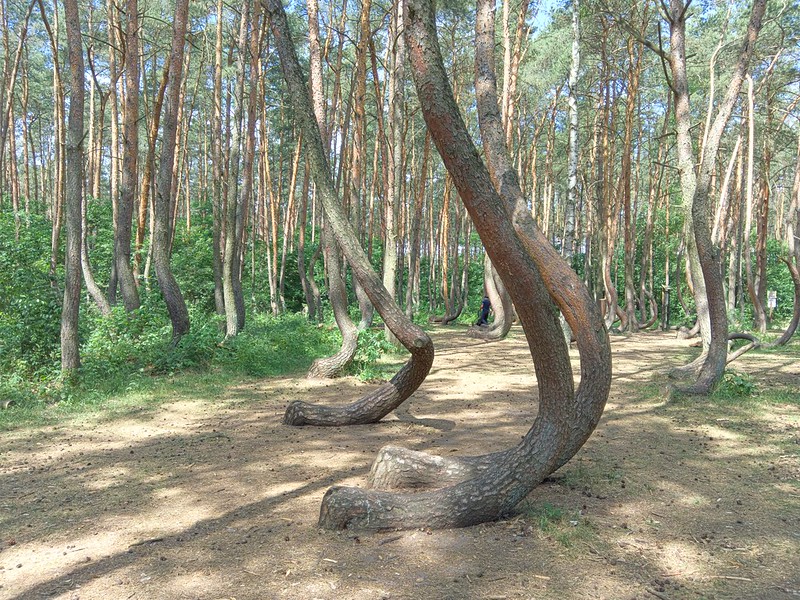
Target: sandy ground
[(213, 498)]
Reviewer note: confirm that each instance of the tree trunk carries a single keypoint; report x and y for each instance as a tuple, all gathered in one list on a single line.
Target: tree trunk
[(130, 161), (396, 169), (70, 354), (695, 187), (572, 151), (86, 268), (59, 140), (176, 307), (792, 259), (489, 487), (147, 175), (391, 394), (331, 366), (305, 282), (218, 168), (239, 196), (414, 254), (501, 305)]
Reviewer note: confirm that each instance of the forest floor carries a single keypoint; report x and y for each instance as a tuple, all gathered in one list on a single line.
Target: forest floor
[(212, 498)]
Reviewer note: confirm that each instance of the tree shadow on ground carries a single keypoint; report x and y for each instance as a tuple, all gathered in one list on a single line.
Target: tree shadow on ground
[(215, 498)]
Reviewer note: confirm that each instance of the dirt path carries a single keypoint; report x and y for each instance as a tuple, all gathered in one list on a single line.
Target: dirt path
[(213, 498)]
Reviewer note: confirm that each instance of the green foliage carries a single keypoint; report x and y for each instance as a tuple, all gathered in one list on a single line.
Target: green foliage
[(735, 386), (126, 352), (193, 266), (30, 303), (565, 527), (372, 346), (272, 346), (780, 280)]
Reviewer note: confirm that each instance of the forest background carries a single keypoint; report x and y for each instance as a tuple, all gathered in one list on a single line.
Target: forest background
[(235, 217)]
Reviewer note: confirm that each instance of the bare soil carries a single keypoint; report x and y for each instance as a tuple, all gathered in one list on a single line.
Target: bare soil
[(213, 498)]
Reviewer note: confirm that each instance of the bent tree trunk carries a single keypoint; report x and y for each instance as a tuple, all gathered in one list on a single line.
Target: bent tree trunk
[(333, 366), (485, 488), (695, 187), (390, 395), (501, 304), (793, 259)]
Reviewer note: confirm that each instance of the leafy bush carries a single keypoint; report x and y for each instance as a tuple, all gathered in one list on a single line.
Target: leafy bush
[(30, 303), (736, 385), (372, 345), (272, 346)]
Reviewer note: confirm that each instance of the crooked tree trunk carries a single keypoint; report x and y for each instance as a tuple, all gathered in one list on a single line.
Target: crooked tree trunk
[(86, 267), (793, 259), (333, 366), (704, 255), (387, 397), (534, 273), (501, 305)]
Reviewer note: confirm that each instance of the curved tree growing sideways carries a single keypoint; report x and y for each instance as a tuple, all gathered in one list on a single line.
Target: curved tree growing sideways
[(487, 487), (704, 256), (329, 366), (390, 395)]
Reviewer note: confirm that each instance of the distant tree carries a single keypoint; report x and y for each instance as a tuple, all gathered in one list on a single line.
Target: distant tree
[(704, 258)]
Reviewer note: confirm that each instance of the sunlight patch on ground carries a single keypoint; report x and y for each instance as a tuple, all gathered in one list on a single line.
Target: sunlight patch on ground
[(196, 584), (679, 560), (105, 478)]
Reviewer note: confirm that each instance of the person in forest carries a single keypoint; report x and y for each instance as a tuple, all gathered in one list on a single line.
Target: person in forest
[(486, 306)]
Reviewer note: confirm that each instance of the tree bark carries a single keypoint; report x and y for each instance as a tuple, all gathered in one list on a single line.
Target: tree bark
[(792, 259), (396, 168), (233, 221), (130, 161), (147, 175), (218, 168), (332, 366), (501, 305)]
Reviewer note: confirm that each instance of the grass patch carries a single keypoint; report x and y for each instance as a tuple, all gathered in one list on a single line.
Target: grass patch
[(563, 526), (591, 478), (111, 399), (133, 369), (376, 359)]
